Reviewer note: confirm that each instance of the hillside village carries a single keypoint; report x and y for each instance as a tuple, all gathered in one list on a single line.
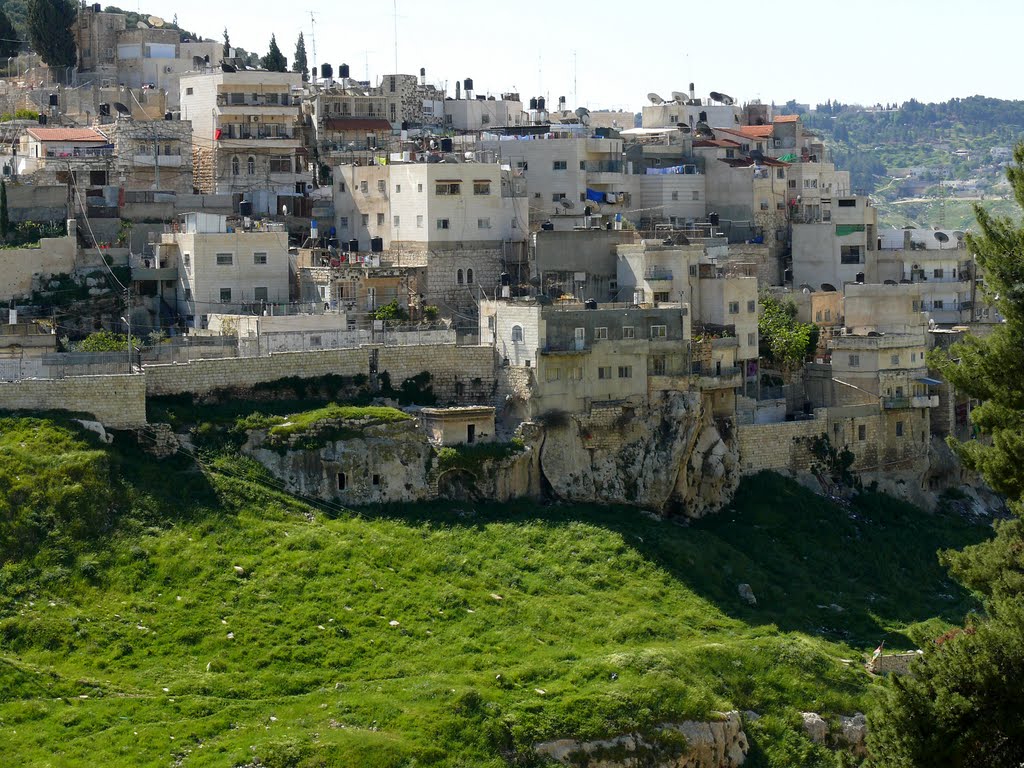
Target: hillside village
[(590, 289)]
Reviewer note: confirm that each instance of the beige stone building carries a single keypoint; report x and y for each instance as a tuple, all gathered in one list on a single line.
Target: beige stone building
[(467, 425), (152, 154)]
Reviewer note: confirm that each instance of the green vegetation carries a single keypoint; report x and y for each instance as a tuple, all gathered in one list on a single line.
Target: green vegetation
[(299, 62), (105, 341), (785, 341), (438, 634), (313, 429), (49, 31), (275, 61), (9, 44), (391, 312), (962, 705), (472, 457)]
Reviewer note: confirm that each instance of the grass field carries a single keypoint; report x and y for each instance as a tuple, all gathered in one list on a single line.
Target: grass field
[(199, 619)]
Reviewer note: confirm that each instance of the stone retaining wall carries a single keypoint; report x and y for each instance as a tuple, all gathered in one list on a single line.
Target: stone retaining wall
[(116, 401)]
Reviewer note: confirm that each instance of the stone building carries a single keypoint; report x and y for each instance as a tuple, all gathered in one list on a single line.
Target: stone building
[(153, 154)]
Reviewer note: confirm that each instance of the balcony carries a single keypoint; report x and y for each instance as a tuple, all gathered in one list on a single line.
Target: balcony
[(658, 274), (726, 378), (164, 161), (84, 152), (924, 401)]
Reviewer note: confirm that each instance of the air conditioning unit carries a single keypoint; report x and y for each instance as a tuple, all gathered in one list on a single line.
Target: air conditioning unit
[(254, 118), (168, 69)]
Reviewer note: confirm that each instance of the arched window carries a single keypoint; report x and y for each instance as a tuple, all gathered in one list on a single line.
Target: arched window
[(235, 167), (469, 277), (251, 165), (517, 333), (458, 277)]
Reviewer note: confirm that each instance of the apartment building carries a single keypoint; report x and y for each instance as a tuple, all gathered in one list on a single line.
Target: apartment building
[(844, 249), (245, 138), (567, 175), (224, 266), (152, 154)]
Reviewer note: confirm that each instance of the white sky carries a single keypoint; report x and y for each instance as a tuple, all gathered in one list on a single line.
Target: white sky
[(611, 54)]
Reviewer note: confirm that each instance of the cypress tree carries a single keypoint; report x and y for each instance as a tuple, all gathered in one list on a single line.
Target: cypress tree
[(49, 31), (300, 64), (227, 44), (5, 221), (9, 45), (275, 61)]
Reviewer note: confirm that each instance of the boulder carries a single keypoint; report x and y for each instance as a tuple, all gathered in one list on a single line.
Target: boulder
[(747, 594), (815, 727)]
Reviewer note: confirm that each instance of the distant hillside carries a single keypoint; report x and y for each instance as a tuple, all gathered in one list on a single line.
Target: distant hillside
[(920, 150), (17, 11)]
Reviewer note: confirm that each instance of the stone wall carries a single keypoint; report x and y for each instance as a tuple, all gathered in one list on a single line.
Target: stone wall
[(55, 255), (781, 446), (460, 374), (116, 401), (894, 663)]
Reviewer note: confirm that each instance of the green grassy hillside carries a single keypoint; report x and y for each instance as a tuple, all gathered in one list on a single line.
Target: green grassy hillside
[(153, 614)]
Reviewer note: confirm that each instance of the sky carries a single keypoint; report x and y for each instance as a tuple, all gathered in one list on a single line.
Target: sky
[(610, 55)]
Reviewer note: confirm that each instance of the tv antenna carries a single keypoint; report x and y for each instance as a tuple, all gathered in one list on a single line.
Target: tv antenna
[(312, 37)]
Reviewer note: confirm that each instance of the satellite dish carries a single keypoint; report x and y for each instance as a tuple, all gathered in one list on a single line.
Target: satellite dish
[(121, 108), (155, 21), (942, 237), (142, 25), (581, 111), (958, 235), (227, 67), (683, 127), (655, 98), (679, 96), (567, 204)]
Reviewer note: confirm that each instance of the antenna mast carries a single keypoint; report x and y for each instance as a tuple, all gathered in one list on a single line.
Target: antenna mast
[(312, 23)]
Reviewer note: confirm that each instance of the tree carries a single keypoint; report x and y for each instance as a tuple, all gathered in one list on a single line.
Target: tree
[(275, 61), (300, 64), (49, 31), (785, 341), (962, 705), (227, 44), (9, 45), (5, 220)]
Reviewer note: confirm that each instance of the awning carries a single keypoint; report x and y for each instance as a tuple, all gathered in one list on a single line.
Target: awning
[(929, 381)]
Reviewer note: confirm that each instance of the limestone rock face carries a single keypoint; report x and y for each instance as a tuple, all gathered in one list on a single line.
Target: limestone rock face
[(663, 456), (720, 743), (853, 733), (815, 727)]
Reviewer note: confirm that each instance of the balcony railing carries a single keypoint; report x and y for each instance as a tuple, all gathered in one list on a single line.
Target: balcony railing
[(83, 152), (657, 273), (603, 166), (914, 401)]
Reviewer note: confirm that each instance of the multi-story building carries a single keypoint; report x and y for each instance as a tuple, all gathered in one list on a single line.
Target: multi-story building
[(684, 109), (245, 139), (567, 175), (844, 249), (153, 154), (223, 266)]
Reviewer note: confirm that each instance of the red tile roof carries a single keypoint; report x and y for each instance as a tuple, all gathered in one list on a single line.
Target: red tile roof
[(66, 134), (716, 143), (786, 118), (750, 131)]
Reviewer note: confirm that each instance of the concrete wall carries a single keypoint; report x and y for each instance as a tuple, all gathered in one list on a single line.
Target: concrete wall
[(117, 401), (461, 374), (37, 203), (18, 265)]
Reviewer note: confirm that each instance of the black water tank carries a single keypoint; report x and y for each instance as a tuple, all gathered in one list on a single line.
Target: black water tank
[(590, 304), (326, 71), (105, 110), (467, 84), (42, 119), (859, 278), (245, 207), (533, 103), (343, 71), (423, 72), (504, 278), (353, 245), (376, 244), (447, 145), (547, 226), (97, 7), (713, 218), (54, 100), (540, 103), (168, 115)]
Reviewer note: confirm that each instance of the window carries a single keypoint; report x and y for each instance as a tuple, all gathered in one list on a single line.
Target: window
[(481, 187), (780, 173), (188, 294), (675, 195), (484, 223), (396, 221), (576, 374), (469, 277), (628, 332), (553, 374), (850, 254), (187, 259), (792, 183), (938, 304), (693, 270), (380, 219), (558, 197), (604, 372), (751, 339), (448, 188), (894, 360), (828, 315), (282, 164), (398, 189), (419, 221), (459, 277), (625, 371), (225, 259), (559, 165), (419, 187), (734, 307), (601, 334), (442, 224), (661, 296), (341, 186), (235, 166), (225, 295), (752, 305), (250, 165), (188, 91), (365, 219), (658, 365), (260, 294), (375, 480), (659, 331), (517, 334), (899, 429), (848, 202), (862, 432), (382, 185), (817, 316), (342, 481), (364, 186), (854, 361), (695, 195), (259, 258), (913, 357)]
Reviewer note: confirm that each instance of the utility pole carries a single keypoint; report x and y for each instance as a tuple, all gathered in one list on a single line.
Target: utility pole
[(156, 160)]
